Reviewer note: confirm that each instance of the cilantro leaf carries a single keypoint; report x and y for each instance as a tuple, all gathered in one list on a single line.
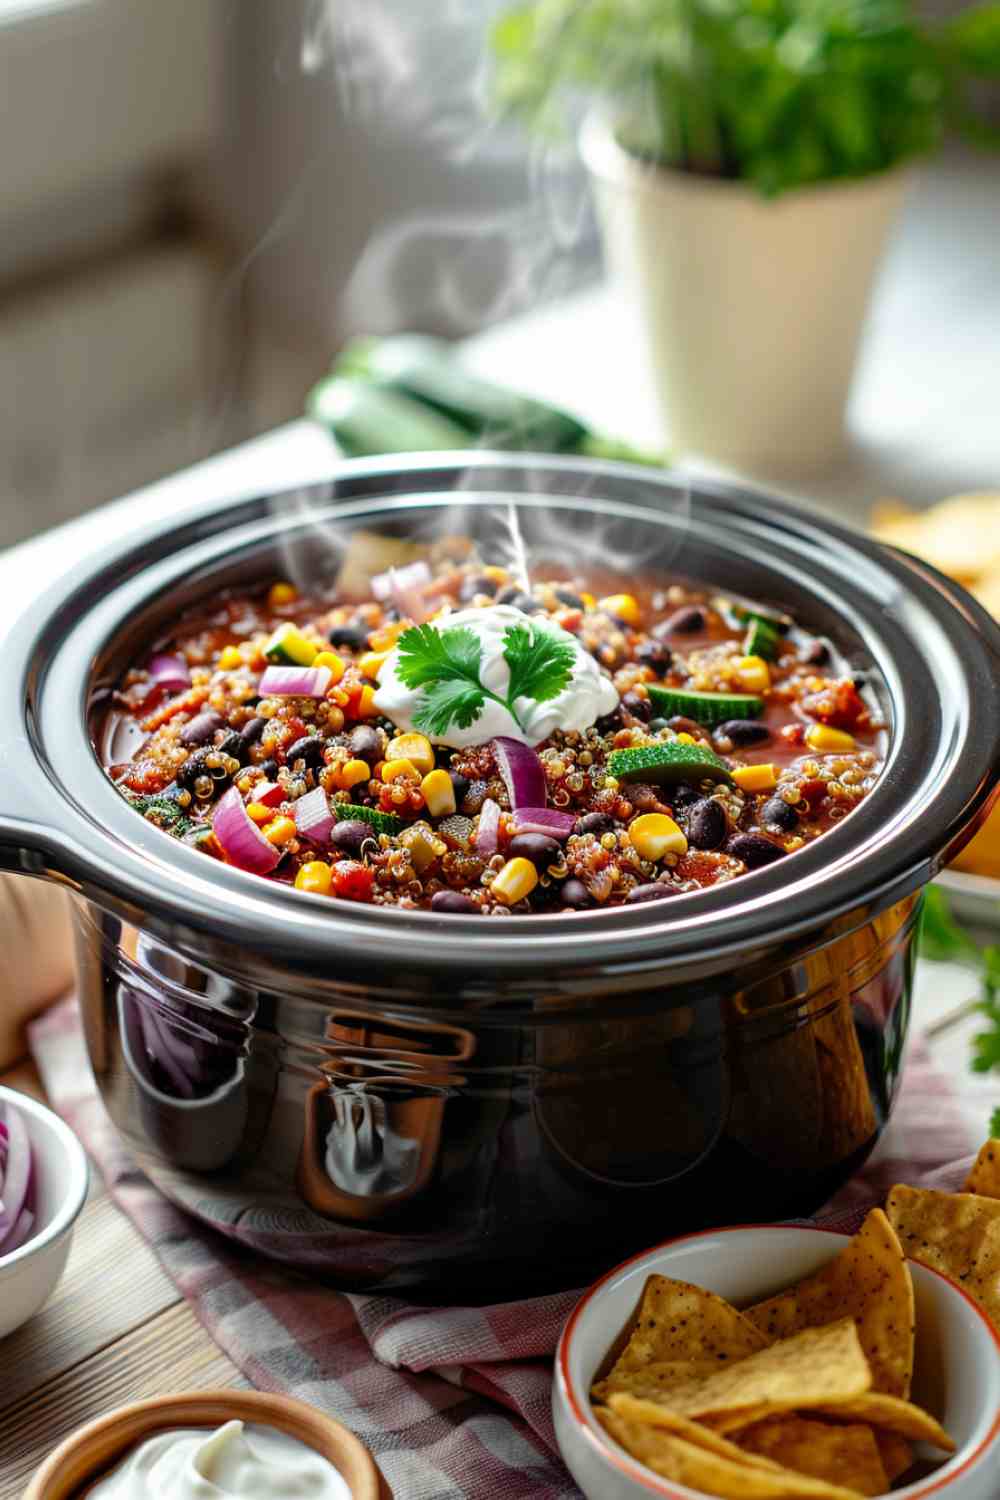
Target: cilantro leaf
[(429, 655), (941, 937), (448, 702), (540, 663)]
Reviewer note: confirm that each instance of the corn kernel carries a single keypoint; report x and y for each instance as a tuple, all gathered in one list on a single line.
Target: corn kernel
[(623, 607), (386, 636), (281, 593), (280, 831), (654, 834), (416, 748), (230, 659), (516, 880), (316, 877), (351, 773), (335, 664), (439, 794), (762, 778), (822, 737), (365, 707), (589, 602), (393, 769), (685, 739), (753, 673), (371, 662), (498, 575), (258, 813)]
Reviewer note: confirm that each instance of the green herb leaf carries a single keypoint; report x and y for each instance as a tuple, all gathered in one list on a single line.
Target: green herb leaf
[(540, 663), (449, 702), (941, 938), (429, 655), (995, 1124)]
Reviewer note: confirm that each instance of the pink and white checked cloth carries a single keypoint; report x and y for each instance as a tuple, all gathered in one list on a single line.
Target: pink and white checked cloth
[(453, 1402)]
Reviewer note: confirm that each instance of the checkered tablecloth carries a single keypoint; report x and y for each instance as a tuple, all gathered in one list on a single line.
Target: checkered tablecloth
[(453, 1401)]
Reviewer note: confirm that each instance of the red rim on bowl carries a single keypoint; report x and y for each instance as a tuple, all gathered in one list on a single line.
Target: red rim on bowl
[(637, 1472)]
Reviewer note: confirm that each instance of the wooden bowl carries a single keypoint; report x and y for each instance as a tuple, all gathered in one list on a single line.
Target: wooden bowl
[(87, 1454)]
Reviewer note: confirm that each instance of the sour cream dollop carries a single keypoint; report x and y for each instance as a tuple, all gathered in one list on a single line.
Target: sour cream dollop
[(249, 1463), (587, 696)]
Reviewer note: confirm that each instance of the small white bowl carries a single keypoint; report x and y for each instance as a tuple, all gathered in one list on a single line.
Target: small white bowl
[(28, 1276), (956, 1374)]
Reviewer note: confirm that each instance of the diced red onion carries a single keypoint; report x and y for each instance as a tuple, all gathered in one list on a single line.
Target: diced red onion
[(169, 672), (313, 817), (522, 772), (268, 794), (294, 682), (558, 825), (17, 1177), (240, 837), (413, 576), (488, 832)]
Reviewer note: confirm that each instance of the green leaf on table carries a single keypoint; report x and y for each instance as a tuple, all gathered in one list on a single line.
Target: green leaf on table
[(941, 937), (540, 663)]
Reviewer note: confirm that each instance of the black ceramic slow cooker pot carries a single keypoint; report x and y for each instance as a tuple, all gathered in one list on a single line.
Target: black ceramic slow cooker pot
[(467, 1105)]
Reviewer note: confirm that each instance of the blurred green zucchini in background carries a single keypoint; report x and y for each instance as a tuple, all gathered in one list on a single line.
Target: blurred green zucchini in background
[(410, 394)]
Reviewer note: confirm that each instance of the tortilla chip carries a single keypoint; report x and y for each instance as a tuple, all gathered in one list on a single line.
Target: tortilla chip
[(710, 1472), (815, 1366), (676, 1322), (868, 1281), (842, 1455), (892, 1414), (984, 1179), (895, 1453), (957, 1233), (660, 1374), (960, 535), (631, 1410)]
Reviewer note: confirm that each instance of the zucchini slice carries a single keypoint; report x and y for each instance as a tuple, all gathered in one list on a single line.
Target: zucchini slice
[(667, 764), (704, 708)]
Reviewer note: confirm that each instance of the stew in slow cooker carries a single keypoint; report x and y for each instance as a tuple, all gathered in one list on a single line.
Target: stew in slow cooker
[(459, 741)]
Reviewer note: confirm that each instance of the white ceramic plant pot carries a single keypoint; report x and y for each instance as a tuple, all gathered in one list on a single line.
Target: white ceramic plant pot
[(750, 310)]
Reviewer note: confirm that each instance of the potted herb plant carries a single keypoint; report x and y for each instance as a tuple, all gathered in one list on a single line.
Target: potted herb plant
[(749, 158)]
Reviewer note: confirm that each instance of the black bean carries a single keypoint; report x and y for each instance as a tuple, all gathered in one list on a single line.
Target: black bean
[(654, 892), (309, 748), (656, 655), (252, 731), (657, 724), (817, 654), (232, 744), (453, 902), (201, 728), (608, 723), (744, 732), (595, 823), (352, 637), (684, 796), (460, 785), (538, 847), (527, 604), (754, 849), (574, 893), (192, 768), (707, 826), (478, 584), (349, 834), (365, 743), (686, 621), (567, 597), (508, 594), (269, 768), (777, 813), (639, 708)]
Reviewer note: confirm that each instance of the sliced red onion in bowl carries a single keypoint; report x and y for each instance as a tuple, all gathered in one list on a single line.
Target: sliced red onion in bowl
[(169, 672), (313, 817), (558, 825), (268, 794), (294, 682), (240, 837), (522, 772), (488, 832), (17, 1178), (403, 588)]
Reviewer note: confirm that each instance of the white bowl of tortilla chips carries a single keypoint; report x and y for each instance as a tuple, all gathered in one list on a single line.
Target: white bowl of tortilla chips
[(848, 1370)]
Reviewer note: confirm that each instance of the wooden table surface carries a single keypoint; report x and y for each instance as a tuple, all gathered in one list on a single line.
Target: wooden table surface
[(116, 1330)]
